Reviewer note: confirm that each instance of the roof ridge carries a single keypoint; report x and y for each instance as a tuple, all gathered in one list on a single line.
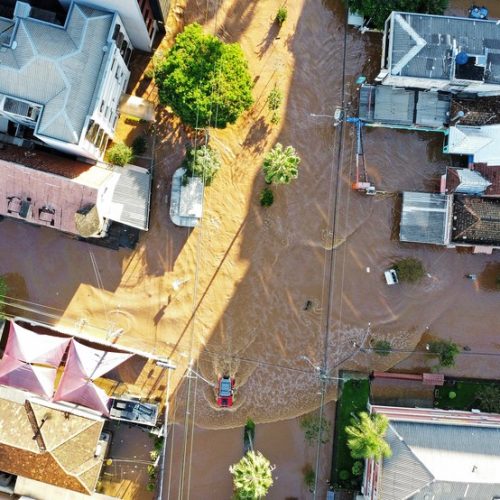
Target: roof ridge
[(420, 43), (76, 433)]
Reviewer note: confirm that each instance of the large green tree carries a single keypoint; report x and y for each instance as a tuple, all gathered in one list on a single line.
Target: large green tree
[(367, 436), (252, 476), (378, 10), (281, 165), (205, 81)]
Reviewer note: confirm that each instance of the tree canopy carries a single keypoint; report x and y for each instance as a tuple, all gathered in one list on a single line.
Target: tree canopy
[(252, 476), (202, 162), (409, 270), (446, 352), (281, 165), (205, 81), (366, 436), (379, 10)]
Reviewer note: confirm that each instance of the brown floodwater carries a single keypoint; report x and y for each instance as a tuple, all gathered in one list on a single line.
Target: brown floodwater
[(232, 293)]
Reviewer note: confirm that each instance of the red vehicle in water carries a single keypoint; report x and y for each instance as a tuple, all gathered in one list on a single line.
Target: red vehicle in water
[(225, 391)]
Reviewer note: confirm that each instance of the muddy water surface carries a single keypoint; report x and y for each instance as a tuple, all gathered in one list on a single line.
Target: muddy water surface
[(232, 294)]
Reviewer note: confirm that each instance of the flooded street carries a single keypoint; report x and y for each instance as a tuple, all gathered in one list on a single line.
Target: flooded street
[(232, 293)]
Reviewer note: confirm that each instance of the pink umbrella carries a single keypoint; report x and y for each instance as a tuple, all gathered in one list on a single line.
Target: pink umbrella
[(31, 347), (85, 364), (37, 379)]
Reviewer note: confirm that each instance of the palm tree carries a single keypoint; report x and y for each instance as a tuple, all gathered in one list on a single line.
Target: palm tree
[(252, 476), (367, 436), (281, 165)]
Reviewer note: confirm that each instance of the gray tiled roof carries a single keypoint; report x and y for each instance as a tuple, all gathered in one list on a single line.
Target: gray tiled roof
[(58, 68), (425, 46), (424, 218)]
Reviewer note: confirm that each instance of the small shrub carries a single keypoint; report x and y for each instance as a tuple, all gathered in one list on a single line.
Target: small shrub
[(120, 154), (274, 99), (409, 270), (281, 15), (250, 424), (151, 470), (309, 477), (149, 74), (315, 428), (344, 475), (158, 443), (275, 118), (154, 454), (4, 290), (266, 197), (452, 395), (139, 146), (357, 468), (202, 162), (446, 352), (150, 487), (382, 347)]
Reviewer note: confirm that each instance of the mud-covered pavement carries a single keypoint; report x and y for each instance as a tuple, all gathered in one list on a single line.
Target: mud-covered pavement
[(231, 294)]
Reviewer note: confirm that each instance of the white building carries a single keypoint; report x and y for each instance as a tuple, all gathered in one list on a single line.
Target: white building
[(61, 85), (142, 18), (441, 53)]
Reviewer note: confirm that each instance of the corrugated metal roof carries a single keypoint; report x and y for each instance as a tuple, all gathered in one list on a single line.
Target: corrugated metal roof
[(402, 474), (394, 105), (424, 218), (471, 182), (443, 37), (131, 198), (440, 461), (432, 109), (49, 63)]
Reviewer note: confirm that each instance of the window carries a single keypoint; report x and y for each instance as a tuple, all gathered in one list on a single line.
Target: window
[(101, 107), (113, 64), (47, 214), (116, 31), (98, 140)]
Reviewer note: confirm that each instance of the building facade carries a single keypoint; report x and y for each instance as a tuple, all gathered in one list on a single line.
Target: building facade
[(61, 85)]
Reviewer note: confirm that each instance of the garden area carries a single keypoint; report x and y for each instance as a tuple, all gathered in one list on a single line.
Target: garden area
[(482, 395), (346, 472)]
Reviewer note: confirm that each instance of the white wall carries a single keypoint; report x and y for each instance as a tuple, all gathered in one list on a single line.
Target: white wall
[(131, 15)]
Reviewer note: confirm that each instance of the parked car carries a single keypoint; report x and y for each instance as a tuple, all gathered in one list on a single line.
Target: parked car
[(391, 277)]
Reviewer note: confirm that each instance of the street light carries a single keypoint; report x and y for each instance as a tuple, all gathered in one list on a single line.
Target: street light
[(323, 374)]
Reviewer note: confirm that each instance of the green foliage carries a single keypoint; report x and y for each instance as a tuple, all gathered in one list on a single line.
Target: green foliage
[(4, 290), (357, 468), (149, 74), (266, 197), (139, 146), (379, 10), (344, 475), (281, 165), (202, 162), (120, 154), (309, 477), (158, 445), (366, 436), (250, 425), (315, 428), (274, 99), (452, 394), (488, 398), (409, 270), (154, 454), (281, 15), (382, 347), (446, 352), (150, 486), (205, 81), (252, 476), (275, 118)]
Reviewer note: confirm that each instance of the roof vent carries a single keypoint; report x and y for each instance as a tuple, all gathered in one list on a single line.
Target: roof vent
[(22, 10)]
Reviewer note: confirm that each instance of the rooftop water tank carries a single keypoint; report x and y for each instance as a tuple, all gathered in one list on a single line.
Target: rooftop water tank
[(461, 58)]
